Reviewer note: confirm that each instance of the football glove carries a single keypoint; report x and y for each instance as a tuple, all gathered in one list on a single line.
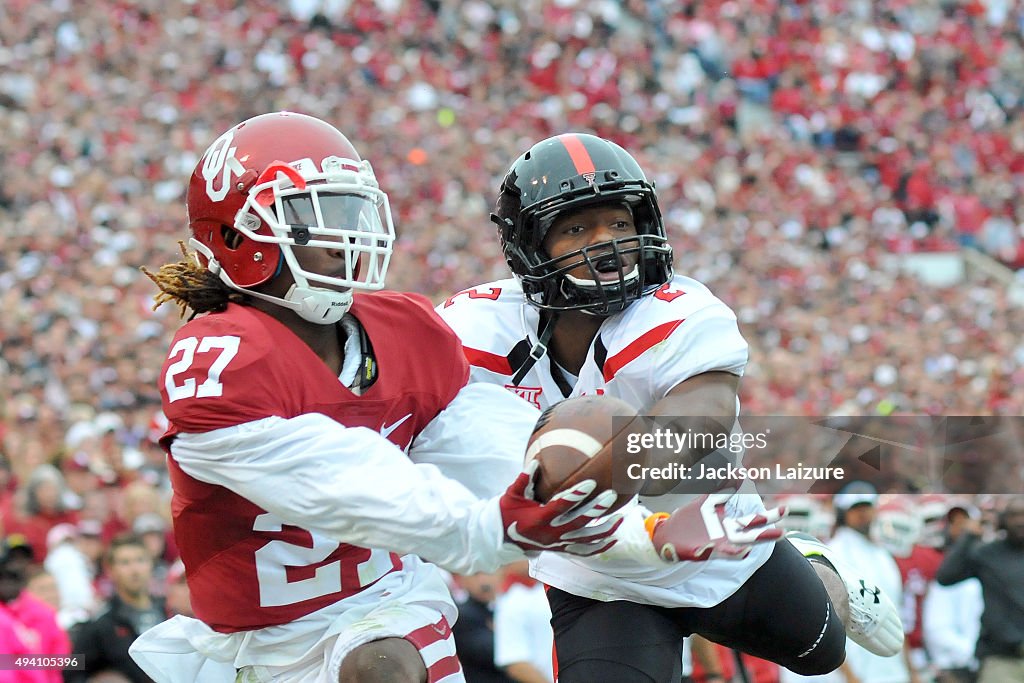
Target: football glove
[(565, 523), (702, 530)]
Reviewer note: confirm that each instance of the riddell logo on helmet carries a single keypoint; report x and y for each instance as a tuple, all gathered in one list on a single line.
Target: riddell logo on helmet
[(589, 177)]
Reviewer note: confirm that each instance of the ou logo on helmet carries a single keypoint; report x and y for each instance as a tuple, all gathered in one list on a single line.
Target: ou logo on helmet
[(220, 162)]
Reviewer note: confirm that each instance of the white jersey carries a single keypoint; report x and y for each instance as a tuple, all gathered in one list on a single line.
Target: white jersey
[(876, 564), (522, 630), (638, 355)]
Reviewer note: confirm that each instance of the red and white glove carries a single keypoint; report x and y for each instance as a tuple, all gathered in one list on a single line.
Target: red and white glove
[(564, 523), (702, 530)]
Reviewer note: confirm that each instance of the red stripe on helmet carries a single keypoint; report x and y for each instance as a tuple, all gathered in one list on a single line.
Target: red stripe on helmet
[(578, 153)]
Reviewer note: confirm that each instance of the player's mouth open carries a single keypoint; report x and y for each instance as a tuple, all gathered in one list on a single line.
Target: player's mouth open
[(608, 268)]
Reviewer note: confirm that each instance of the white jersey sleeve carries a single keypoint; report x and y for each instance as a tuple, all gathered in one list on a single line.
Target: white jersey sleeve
[(951, 622), (522, 628), (351, 485), (452, 439), (663, 340), (710, 342)]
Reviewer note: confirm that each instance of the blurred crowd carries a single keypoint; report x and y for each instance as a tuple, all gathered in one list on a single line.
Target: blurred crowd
[(796, 146)]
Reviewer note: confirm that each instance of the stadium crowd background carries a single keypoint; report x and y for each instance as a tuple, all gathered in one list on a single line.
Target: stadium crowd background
[(795, 145)]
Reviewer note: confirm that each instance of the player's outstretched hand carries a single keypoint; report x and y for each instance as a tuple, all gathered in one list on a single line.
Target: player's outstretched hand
[(565, 523), (701, 530)]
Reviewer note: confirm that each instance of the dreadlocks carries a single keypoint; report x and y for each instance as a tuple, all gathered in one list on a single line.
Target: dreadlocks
[(189, 285)]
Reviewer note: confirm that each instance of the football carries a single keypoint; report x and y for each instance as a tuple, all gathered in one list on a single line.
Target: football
[(573, 440)]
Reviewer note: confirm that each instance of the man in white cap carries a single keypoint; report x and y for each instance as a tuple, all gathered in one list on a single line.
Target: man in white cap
[(855, 507)]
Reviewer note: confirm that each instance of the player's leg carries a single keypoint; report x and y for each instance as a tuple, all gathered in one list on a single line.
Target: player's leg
[(421, 651), (378, 660), (401, 632), (389, 659), (782, 613), (871, 619), (383, 661), (613, 641)]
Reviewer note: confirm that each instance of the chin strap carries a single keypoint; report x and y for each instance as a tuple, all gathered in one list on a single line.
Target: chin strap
[(317, 305)]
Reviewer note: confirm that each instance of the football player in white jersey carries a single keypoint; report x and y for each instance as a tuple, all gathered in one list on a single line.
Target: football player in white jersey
[(320, 462), (595, 308)]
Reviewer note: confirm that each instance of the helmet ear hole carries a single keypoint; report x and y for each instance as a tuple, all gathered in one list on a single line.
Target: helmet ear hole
[(232, 238)]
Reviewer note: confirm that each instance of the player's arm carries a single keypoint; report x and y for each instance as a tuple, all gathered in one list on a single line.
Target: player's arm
[(958, 562), (353, 485), (709, 393), (696, 377), (702, 404), (479, 438), (703, 528), (697, 374)]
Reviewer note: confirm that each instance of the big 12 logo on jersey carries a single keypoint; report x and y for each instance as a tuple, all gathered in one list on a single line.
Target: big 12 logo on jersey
[(531, 394)]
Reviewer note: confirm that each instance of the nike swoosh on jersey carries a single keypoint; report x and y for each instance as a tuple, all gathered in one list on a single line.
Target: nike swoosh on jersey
[(386, 430)]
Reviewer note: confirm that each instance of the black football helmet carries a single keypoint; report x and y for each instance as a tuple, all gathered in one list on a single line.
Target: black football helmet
[(566, 173)]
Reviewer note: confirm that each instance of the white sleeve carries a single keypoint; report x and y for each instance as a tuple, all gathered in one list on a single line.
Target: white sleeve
[(70, 569), (708, 340), (350, 484), (517, 622), (949, 624), (510, 645), (479, 439)]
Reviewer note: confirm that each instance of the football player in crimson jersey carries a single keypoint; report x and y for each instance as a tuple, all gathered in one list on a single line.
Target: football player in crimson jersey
[(595, 308), (324, 447)]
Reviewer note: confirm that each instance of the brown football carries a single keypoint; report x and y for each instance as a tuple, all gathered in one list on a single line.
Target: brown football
[(573, 440)]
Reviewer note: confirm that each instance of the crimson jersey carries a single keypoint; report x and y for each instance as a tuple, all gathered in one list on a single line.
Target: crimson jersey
[(227, 369), (918, 572)]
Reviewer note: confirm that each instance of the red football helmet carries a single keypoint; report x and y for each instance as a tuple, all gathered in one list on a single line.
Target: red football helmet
[(807, 514), (931, 509), (285, 180), (897, 527)]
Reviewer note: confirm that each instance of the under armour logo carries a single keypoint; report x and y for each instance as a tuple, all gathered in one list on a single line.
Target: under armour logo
[(874, 590)]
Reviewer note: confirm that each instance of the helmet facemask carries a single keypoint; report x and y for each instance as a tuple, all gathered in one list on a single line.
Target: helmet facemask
[(599, 294), (897, 531), (339, 206), (547, 282)]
